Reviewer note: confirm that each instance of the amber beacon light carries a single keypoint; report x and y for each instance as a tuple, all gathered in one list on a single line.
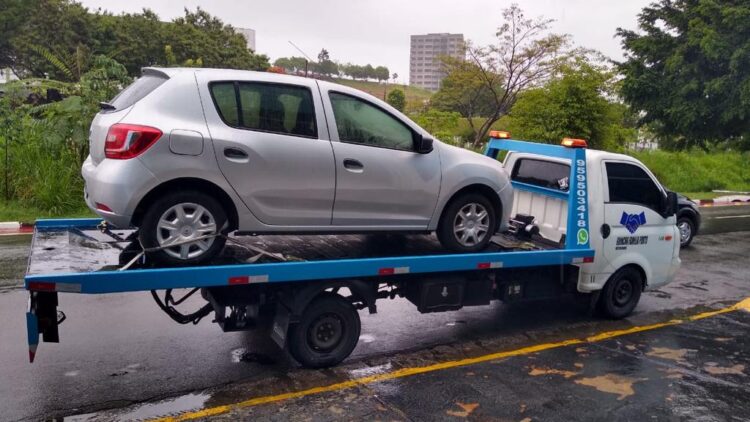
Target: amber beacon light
[(499, 134), (574, 143)]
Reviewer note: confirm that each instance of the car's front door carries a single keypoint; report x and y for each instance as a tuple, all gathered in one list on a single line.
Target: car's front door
[(272, 146), (380, 179), (632, 214)]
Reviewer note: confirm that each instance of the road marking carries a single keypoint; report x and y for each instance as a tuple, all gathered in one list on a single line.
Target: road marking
[(731, 216), (405, 372)]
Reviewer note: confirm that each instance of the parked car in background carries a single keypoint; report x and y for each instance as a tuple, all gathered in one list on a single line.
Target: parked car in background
[(688, 219), (184, 154)]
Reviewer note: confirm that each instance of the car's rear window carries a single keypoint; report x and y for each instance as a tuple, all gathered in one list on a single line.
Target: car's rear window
[(542, 173), (137, 90)]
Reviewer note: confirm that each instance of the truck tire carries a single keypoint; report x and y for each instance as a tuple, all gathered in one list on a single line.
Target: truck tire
[(173, 217), (327, 332), (467, 224), (621, 293)]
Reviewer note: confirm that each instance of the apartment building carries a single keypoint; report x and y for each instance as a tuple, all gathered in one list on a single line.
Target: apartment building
[(249, 35), (425, 66)]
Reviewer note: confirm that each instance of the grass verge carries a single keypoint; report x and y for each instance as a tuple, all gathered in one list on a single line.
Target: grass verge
[(15, 211)]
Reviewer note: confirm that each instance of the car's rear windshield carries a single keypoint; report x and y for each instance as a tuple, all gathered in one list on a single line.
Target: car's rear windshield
[(137, 90)]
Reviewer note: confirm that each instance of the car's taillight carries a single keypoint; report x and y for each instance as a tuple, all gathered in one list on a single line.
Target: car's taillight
[(127, 141)]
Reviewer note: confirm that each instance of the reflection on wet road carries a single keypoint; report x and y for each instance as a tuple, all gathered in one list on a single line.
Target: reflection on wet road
[(119, 351)]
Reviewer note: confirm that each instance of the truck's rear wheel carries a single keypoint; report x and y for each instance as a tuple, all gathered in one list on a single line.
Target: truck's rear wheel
[(621, 293), (327, 332)]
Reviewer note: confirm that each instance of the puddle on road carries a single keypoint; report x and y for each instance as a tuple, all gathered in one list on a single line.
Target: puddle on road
[(186, 403)]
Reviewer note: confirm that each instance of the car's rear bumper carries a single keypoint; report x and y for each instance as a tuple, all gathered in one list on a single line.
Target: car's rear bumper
[(117, 185)]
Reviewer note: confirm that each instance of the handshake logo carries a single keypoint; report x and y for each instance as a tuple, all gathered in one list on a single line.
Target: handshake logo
[(632, 221)]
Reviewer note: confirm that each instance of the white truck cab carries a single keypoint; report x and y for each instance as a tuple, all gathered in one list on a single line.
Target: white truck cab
[(631, 218)]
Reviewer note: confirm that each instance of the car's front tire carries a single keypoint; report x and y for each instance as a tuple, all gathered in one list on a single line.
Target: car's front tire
[(176, 219), (687, 231), (467, 224)]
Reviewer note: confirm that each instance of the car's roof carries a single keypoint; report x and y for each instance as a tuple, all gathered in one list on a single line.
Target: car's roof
[(224, 73)]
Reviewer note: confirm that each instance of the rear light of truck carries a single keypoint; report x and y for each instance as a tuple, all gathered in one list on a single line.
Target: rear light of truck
[(127, 141)]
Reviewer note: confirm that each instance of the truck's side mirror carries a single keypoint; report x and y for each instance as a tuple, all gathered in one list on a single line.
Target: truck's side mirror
[(424, 144), (669, 205)]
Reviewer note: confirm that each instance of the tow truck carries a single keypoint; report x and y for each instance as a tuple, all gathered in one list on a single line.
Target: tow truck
[(584, 222)]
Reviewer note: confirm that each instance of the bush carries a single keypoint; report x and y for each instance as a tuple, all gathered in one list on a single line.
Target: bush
[(698, 171)]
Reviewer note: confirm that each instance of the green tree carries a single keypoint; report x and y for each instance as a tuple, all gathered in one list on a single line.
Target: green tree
[(397, 99), (686, 69), (442, 124), (524, 56), (381, 73), (465, 91), (577, 103), (72, 33), (291, 64)]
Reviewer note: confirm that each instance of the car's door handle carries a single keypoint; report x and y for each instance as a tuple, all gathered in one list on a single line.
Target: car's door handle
[(235, 154), (605, 230), (353, 165)]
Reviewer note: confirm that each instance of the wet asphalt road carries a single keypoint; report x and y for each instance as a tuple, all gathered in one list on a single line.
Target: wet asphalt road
[(119, 350)]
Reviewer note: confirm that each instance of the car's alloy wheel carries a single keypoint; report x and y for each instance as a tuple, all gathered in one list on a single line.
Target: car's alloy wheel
[(471, 225), (686, 231), (183, 223), (467, 223)]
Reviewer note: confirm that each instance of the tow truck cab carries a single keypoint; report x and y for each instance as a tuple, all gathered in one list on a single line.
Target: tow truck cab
[(631, 216)]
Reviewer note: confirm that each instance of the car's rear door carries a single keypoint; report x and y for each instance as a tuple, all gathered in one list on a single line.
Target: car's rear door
[(380, 179), (272, 145)]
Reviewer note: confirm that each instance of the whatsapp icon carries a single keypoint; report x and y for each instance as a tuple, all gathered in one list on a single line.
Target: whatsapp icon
[(583, 236)]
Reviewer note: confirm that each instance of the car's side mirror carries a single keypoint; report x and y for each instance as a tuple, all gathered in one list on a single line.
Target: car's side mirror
[(424, 144), (669, 205)]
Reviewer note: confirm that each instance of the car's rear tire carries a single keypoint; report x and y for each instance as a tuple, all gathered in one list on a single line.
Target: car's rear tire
[(179, 217), (327, 333), (687, 231), (467, 224), (621, 293)]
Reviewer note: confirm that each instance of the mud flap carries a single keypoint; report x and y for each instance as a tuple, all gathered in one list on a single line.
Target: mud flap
[(280, 326), (32, 328), (42, 318)]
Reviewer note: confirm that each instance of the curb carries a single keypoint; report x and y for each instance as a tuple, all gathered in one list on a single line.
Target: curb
[(10, 228)]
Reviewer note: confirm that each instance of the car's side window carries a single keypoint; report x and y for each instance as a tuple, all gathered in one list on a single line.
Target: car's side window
[(546, 174), (629, 183), (225, 100), (360, 122), (275, 108)]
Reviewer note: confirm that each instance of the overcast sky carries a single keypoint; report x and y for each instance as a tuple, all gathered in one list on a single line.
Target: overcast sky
[(377, 31)]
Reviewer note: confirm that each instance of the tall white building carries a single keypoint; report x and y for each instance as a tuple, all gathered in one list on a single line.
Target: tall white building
[(425, 67), (249, 35)]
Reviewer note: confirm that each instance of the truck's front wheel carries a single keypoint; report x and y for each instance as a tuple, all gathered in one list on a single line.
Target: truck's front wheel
[(327, 332), (621, 293)]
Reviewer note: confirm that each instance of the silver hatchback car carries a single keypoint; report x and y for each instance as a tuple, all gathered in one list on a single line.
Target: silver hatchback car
[(186, 155)]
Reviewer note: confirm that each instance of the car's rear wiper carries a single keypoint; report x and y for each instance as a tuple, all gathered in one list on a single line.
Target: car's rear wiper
[(106, 106)]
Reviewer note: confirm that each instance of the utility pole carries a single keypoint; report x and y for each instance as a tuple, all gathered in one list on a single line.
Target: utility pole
[(307, 58)]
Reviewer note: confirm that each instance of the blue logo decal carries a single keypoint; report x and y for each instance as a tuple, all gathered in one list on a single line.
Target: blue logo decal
[(633, 221)]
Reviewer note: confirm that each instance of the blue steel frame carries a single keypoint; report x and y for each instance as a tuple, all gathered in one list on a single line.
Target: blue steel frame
[(577, 234), (98, 282)]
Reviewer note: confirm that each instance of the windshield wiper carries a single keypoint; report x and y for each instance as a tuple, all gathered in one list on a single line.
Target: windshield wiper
[(106, 106)]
